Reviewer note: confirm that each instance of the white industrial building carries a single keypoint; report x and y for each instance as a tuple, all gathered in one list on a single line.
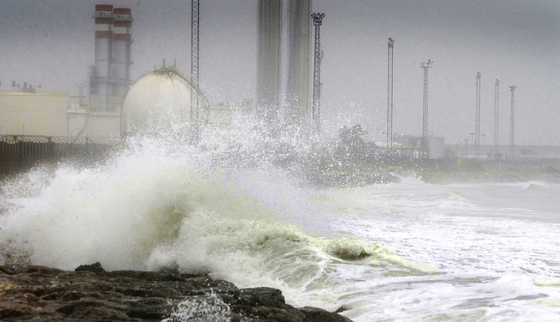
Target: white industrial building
[(28, 112), (114, 106)]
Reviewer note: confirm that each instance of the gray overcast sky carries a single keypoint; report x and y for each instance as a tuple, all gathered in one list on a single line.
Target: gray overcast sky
[(52, 41)]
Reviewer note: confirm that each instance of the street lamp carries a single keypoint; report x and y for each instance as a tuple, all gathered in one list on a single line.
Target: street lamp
[(483, 135), (474, 143)]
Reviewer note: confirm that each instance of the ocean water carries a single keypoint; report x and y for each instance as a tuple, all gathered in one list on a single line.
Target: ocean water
[(386, 252)]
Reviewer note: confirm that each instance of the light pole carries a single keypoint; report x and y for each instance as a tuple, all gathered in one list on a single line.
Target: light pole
[(317, 22), (81, 88), (511, 124), (482, 136), (425, 147), (474, 143)]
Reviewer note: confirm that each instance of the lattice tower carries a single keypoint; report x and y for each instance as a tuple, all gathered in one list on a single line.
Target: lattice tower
[(390, 94), (425, 142), (316, 113), (195, 22)]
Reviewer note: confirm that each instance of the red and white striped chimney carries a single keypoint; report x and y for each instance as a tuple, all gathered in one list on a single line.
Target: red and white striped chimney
[(122, 21), (101, 87)]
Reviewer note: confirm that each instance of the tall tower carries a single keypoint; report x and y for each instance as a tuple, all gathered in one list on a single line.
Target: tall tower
[(496, 115), (425, 140), (317, 22), (390, 95), (110, 76), (100, 82), (122, 21), (298, 61), (511, 124), (195, 21), (269, 54), (477, 127)]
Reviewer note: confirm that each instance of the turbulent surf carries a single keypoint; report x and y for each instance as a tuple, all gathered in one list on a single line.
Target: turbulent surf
[(232, 207)]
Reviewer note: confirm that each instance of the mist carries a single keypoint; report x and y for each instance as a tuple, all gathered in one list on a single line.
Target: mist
[(51, 43)]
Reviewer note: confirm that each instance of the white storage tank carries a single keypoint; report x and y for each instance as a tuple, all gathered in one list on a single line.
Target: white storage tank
[(157, 101)]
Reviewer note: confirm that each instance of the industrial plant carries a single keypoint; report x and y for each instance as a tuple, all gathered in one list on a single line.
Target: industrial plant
[(288, 89)]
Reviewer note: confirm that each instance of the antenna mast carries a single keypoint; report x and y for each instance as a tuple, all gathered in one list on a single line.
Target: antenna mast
[(496, 116), (477, 129), (511, 124), (317, 22), (195, 21), (425, 146), (390, 95)]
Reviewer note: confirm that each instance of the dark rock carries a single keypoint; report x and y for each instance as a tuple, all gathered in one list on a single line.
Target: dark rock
[(6, 270), (261, 296), (273, 314), (95, 267), (313, 314), (99, 314), (42, 293), (341, 309), (43, 270)]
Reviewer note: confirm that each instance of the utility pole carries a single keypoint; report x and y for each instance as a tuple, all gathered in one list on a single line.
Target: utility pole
[(496, 115), (425, 142), (317, 22), (81, 88), (511, 124), (477, 128), (390, 95), (195, 21)]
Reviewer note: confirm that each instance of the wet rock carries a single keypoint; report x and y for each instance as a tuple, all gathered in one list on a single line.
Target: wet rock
[(41, 293), (313, 314), (95, 267)]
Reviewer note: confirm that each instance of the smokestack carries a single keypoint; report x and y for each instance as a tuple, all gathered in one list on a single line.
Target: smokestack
[(122, 21), (299, 25), (101, 88), (268, 64)]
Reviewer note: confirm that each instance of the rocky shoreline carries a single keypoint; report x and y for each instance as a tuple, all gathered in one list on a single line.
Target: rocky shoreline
[(90, 293)]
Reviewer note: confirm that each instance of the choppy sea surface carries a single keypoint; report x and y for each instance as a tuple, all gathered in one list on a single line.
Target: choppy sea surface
[(389, 252)]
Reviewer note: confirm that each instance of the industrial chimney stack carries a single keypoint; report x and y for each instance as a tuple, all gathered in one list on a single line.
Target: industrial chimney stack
[(100, 86), (110, 76), (122, 21)]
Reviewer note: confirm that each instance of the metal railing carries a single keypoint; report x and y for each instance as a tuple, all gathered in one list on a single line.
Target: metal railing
[(21, 152)]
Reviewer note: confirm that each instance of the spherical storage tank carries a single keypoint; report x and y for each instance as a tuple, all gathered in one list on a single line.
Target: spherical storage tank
[(157, 101)]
